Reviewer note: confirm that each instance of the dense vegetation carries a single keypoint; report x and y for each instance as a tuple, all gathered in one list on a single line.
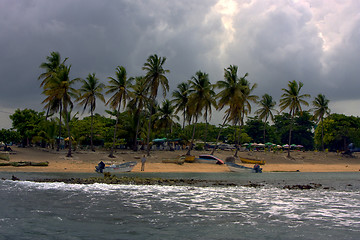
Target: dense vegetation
[(136, 117)]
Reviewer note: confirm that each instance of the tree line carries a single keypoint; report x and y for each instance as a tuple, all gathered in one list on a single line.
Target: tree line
[(139, 118)]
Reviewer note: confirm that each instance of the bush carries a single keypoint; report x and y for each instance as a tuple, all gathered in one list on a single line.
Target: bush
[(199, 146)]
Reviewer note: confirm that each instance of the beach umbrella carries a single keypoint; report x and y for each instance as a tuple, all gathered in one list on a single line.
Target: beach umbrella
[(261, 145), (269, 143), (286, 146), (245, 144), (299, 146)]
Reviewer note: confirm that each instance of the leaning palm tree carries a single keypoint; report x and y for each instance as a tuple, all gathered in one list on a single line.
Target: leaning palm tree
[(60, 89), (321, 108), (181, 99), (229, 95), (119, 87), (155, 77), (89, 92), (292, 99), (200, 89), (139, 99), (266, 109)]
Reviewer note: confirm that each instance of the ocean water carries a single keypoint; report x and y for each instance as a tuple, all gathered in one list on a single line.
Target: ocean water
[(30, 210)]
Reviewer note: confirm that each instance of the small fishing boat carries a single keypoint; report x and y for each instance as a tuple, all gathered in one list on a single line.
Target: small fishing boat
[(209, 159), (179, 161), (117, 168), (252, 161), (240, 168), (5, 156)]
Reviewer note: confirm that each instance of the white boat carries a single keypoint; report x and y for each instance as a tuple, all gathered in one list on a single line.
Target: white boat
[(240, 168), (209, 159), (117, 168)]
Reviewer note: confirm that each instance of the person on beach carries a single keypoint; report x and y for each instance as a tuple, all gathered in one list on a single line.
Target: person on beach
[(143, 161), (100, 167)]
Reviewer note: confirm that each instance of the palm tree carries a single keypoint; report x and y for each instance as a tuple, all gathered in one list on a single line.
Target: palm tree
[(60, 89), (89, 92), (139, 99), (200, 91), (267, 105), (245, 103), (321, 108), (229, 95), (181, 99), (155, 77), (51, 67), (292, 99), (166, 115), (119, 86)]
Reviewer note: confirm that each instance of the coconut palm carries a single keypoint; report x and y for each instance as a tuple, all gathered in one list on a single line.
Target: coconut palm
[(119, 87), (292, 99), (51, 67), (89, 92), (60, 89), (321, 108), (266, 109), (139, 99), (181, 99), (155, 77), (166, 115), (200, 91), (229, 95), (245, 103)]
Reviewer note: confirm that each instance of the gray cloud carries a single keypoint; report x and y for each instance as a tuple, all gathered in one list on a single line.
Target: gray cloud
[(274, 41)]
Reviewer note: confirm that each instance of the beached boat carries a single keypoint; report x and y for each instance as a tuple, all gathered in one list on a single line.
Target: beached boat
[(209, 159), (240, 168), (5, 156), (252, 161), (117, 168), (189, 158), (179, 161)]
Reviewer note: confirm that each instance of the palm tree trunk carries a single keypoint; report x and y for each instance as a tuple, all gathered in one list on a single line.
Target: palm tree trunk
[(59, 138), (291, 125), (149, 129), (184, 119), (218, 136), (137, 132), (238, 140), (264, 129), (192, 138), (322, 134), (68, 129), (92, 133), (116, 123)]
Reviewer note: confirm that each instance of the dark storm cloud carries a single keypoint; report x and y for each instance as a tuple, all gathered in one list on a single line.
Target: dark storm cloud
[(274, 41)]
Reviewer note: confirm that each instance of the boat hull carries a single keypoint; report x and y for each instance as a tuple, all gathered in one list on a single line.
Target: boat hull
[(209, 159), (118, 168), (252, 161), (233, 167)]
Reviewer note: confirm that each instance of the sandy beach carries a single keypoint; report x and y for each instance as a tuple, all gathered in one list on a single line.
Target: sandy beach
[(85, 161)]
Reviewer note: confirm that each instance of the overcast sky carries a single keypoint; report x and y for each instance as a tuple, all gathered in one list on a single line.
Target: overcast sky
[(316, 42)]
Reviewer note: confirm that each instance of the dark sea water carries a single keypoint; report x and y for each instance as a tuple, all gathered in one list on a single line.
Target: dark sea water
[(30, 210)]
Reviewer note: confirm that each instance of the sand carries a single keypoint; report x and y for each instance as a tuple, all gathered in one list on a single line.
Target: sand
[(85, 161)]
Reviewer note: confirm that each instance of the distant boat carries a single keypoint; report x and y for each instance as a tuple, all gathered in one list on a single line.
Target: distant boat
[(117, 168), (5, 156), (240, 168), (209, 159), (252, 161)]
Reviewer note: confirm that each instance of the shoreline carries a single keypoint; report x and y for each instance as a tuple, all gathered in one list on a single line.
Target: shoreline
[(85, 161)]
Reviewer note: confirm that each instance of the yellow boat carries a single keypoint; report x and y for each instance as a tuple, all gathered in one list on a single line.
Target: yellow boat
[(252, 161), (189, 158)]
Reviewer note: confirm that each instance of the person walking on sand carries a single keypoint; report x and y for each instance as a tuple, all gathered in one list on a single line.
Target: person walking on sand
[(143, 161)]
